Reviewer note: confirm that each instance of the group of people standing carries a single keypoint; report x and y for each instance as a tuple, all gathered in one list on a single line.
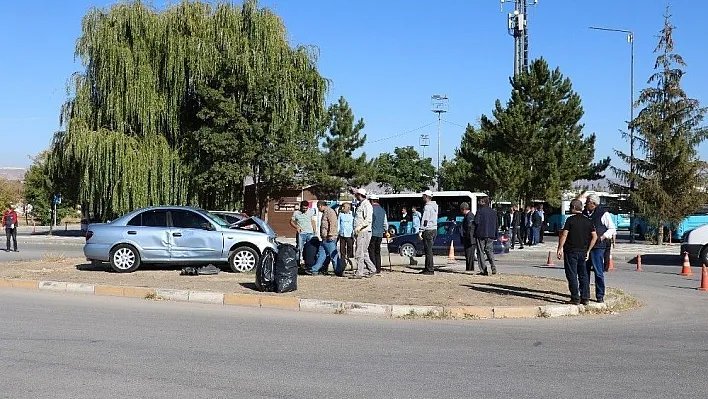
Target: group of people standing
[(478, 234), (358, 233), (583, 244), (525, 227)]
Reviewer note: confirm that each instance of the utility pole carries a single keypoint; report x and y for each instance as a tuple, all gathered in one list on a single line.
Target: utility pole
[(630, 39), (439, 104), (517, 24), (424, 142)]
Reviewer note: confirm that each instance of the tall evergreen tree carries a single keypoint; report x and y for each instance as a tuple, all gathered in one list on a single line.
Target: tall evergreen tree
[(533, 147), (343, 138), (669, 179), (404, 170)]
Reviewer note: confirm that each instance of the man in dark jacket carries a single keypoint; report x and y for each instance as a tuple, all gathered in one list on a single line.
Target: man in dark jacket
[(379, 225), (486, 227), (536, 223), (467, 236), (516, 221)]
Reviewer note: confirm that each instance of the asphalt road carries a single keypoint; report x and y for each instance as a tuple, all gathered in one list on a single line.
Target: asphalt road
[(68, 346)]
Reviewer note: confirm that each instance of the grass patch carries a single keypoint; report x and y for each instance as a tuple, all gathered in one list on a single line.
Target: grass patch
[(429, 315), (154, 297)]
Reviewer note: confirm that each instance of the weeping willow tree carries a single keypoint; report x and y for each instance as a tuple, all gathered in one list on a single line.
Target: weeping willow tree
[(130, 124)]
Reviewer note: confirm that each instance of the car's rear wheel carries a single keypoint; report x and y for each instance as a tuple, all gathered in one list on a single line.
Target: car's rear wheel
[(407, 250), (124, 259), (243, 259)]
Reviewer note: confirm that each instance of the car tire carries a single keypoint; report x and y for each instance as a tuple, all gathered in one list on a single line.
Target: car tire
[(407, 250), (703, 256), (243, 259), (124, 258)]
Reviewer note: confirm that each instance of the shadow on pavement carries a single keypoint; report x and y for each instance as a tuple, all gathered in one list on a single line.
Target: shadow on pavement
[(659, 260), (60, 233), (501, 289)]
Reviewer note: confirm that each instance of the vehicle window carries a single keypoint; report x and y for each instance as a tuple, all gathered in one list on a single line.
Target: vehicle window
[(154, 218), (443, 228), (188, 220)]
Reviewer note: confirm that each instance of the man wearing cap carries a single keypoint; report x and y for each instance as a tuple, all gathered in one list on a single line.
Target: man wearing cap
[(429, 225), (362, 230), (605, 228)]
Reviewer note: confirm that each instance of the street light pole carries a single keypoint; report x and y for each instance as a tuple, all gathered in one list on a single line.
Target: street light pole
[(630, 39), (439, 105)]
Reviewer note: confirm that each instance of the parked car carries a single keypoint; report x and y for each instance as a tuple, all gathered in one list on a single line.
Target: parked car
[(695, 242), (179, 235), (409, 245)]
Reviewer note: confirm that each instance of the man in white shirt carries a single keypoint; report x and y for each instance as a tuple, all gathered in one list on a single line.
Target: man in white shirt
[(363, 220)]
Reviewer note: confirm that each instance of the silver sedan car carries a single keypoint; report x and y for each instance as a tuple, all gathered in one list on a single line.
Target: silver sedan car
[(179, 235)]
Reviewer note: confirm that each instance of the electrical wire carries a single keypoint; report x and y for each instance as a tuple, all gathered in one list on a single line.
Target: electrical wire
[(401, 134)]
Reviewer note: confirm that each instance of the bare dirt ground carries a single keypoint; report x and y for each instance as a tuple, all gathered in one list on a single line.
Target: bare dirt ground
[(401, 286)]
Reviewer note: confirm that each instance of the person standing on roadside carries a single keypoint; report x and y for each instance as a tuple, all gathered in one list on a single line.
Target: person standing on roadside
[(346, 236), (516, 221), (536, 225), (429, 223), (9, 222), (304, 222), (467, 235), (362, 232), (417, 217), (576, 239), (329, 230), (486, 228), (379, 227), (606, 229)]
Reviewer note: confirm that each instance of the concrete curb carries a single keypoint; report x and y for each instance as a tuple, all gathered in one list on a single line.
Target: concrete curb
[(315, 305)]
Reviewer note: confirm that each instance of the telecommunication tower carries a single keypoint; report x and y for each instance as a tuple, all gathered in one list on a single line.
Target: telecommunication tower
[(517, 24)]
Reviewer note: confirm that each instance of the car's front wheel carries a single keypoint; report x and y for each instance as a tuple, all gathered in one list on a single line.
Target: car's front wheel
[(407, 250), (243, 259), (125, 258)]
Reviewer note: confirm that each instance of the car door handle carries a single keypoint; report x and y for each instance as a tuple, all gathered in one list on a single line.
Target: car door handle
[(176, 234), (132, 232)]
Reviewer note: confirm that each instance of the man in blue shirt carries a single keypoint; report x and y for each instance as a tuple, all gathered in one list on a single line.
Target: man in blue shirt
[(486, 228), (417, 217), (346, 236)]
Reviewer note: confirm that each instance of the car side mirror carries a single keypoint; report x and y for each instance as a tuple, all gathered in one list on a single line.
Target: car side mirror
[(207, 226)]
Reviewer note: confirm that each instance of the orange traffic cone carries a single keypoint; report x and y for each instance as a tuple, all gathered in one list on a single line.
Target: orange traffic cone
[(451, 254), (549, 262), (686, 270), (639, 263), (611, 266), (704, 279)]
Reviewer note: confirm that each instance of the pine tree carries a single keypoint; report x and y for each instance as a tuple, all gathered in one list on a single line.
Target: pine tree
[(533, 147), (669, 182), (344, 137)]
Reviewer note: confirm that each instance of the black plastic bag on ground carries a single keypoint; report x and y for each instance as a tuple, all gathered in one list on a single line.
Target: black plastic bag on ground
[(265, 272), (286, 268)]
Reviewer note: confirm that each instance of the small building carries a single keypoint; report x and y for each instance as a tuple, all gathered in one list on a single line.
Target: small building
[(280, 208)]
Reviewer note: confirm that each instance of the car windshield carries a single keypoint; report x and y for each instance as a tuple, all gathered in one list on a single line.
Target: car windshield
[(221, 222)]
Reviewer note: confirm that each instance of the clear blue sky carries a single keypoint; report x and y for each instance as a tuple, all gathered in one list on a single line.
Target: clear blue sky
[(387, 58)]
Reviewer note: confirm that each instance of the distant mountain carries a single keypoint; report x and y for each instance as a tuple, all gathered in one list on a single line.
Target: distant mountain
[(9, 173)]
